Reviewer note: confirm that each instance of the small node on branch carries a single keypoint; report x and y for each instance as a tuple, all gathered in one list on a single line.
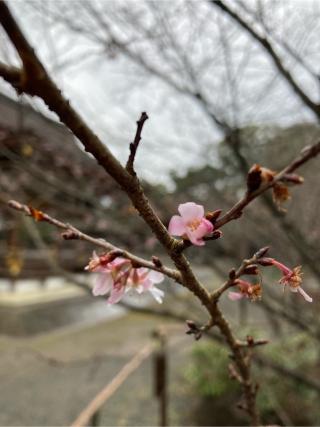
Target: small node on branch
[(213, 216), (214, 236), (156, 261), (258, 175), (232, 274), (237, 215), (70, 235), (36, 214), (233, 374), (135, 144), (111, 256), (194, 329), (251, 269), (254, 179), (293, 178)]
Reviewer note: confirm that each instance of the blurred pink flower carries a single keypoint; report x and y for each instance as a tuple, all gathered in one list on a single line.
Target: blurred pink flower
[(118, 277), (291, 278), (112, 277), (191, 223), (143, 280)]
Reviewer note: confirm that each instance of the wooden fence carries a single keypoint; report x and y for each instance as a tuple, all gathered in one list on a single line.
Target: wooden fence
[(157, 349)]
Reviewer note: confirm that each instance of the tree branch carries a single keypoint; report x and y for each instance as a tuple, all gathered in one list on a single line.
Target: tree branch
[(235, 274), (135, 144), (12, 75), (72, 233), (234, 213)]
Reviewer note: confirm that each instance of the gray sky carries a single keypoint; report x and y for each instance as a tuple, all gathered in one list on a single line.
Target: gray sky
[(111, 92)]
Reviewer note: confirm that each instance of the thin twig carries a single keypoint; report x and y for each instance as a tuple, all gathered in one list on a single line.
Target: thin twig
[(234, 213), (135, 144), (235, 274), (73, 233)]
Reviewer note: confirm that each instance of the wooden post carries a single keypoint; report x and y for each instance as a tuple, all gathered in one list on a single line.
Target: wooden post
[(160, 376), (95, 419)]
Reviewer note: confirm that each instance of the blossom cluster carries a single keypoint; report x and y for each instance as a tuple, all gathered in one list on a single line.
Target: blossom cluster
[(290, 278), (118, 277)]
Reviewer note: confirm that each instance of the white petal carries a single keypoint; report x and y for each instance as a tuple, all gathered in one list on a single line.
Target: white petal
[(191, 211), (155, 276), (176, 226), (157, 294), (103, 284), (305, 295)]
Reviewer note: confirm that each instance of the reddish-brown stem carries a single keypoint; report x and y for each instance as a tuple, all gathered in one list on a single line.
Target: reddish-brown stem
[(236, 210), (135, 144)]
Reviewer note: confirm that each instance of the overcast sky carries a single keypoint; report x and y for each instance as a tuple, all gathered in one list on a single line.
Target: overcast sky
[(111, 91)]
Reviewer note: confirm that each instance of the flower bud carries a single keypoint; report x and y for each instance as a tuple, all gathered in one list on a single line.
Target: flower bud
[(265, 262), (232, 274), (156, 261), (214, 215), (191, 325), (251, 269), (261, 252)]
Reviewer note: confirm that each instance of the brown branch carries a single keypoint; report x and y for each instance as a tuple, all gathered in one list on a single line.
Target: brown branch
[(72, 233), (235, 274), (257, 359), (266, 45), (135, 144), (11, 74), (37, 82), (234, 213)]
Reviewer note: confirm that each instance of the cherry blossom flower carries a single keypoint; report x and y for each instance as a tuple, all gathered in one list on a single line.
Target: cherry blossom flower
[(143, 280), (112, 276), (291, 278), (191, 223), (118, 277), (246, 289)]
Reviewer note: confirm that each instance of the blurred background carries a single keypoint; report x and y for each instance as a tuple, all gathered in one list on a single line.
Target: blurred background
[(225, 85)]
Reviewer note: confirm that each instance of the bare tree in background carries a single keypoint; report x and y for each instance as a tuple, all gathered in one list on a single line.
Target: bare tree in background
[(207, 53), (229, 65)]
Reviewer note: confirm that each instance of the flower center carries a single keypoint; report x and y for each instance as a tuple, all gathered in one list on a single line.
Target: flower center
[(193, 225)]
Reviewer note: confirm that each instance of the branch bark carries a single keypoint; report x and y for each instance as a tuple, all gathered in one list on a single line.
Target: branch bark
[(135, 144)]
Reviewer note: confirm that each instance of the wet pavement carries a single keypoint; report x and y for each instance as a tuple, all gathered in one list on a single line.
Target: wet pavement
[(48, 379)]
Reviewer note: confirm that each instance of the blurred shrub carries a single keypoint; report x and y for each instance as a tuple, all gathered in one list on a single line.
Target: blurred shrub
[(280, 399), (207, 371)]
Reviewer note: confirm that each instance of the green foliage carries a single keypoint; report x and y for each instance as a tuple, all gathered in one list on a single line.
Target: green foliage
[(208, 371), (283, 396), (280, 399)]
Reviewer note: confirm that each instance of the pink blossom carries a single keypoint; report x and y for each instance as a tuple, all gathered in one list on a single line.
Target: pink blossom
[(118, 277), (291, 278), (246, 289), (112, 277), (143, 280), (191, 223), (235, 296)]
